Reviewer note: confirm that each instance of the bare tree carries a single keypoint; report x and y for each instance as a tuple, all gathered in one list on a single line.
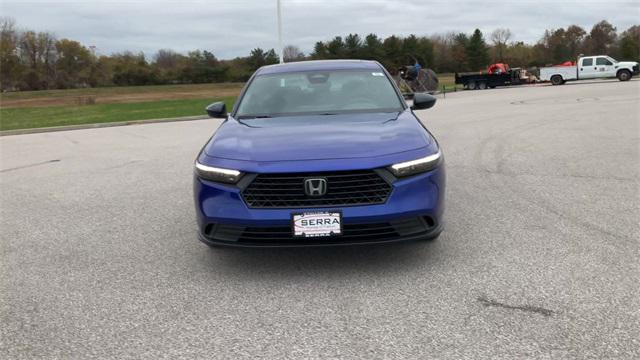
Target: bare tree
[(574, 38), (500, 37), (39, 55), (10, 67), (166, 59), (7, 24), (443, 51), (601, 38), (292, 53)]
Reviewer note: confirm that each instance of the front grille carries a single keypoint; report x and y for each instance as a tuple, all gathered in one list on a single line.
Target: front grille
[(344, 188), (352, 233)]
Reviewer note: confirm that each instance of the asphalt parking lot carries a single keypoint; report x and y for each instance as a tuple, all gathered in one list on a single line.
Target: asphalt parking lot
[(540, 256)]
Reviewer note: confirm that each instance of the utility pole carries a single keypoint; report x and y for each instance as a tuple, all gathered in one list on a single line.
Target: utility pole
[(281, 50)]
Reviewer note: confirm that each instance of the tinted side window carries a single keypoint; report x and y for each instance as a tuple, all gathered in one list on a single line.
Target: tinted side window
[(603, 61), (587, 62)]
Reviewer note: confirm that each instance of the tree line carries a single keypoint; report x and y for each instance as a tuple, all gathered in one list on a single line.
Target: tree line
[(459, 52), (32, 60)]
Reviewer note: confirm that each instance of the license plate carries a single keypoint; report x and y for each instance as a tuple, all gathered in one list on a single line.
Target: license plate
[(314, 224)]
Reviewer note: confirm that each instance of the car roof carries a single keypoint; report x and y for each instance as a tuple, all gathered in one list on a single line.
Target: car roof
[(319, 65)]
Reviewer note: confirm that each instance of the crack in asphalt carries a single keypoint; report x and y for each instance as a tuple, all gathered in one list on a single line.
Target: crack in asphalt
[(30, 165), (499, 159), (528, 308), (554, 176), (122, 165), (558, 176)]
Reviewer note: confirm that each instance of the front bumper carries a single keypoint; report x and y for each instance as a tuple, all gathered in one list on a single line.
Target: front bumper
[(361, 234), (412, 211)]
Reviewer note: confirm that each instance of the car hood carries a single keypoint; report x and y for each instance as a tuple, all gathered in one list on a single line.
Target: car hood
[(313, 137), (627, 64)]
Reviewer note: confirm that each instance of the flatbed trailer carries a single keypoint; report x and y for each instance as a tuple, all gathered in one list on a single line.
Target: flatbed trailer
[(481, 81)]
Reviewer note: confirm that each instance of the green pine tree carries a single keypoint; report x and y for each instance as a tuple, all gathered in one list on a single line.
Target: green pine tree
[(477, 51)]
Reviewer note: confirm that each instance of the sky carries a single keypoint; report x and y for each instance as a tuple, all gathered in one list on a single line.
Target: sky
[(231, 28)]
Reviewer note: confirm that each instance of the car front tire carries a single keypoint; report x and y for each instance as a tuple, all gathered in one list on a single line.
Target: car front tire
[(624, 75)]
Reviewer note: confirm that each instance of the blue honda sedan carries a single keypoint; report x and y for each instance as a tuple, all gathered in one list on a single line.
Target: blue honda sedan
[(320, 153)]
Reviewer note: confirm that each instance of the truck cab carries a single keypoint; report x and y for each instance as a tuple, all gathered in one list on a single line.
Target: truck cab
[(592, 67)]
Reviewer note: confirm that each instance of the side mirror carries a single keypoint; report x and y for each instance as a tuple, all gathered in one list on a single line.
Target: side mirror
[(423, 101), (217, 110)]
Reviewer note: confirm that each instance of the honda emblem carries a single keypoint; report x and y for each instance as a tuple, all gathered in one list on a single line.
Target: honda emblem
[(315, 187)]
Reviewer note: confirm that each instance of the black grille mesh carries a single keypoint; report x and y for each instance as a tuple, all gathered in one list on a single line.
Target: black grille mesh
[(352, 233), (344, 188)]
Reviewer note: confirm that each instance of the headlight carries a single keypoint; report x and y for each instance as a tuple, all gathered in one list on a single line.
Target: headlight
[(416, 166), (217, 174)]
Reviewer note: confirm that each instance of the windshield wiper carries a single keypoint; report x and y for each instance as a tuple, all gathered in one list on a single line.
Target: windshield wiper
[(242, 117), (394, 118)]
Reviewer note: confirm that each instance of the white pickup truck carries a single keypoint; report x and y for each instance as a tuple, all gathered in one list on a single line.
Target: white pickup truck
[(590, 67)]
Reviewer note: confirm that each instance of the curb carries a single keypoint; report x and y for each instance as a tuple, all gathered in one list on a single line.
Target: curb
[(98, 125)]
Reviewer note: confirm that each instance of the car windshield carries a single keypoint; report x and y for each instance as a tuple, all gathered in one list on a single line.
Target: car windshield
[(319, 92)]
